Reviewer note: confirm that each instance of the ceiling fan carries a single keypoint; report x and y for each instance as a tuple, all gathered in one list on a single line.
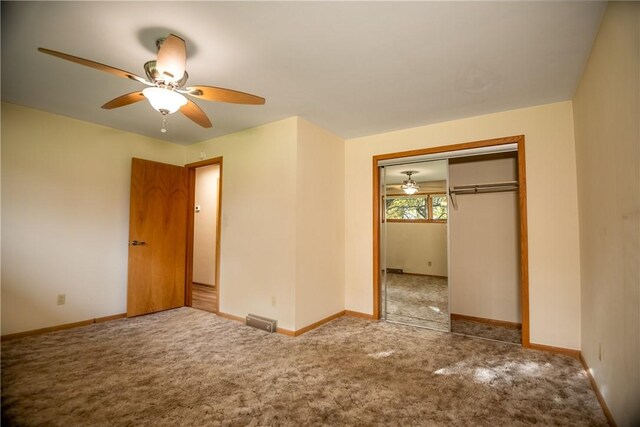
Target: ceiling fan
[(410, 186), (166, 83)]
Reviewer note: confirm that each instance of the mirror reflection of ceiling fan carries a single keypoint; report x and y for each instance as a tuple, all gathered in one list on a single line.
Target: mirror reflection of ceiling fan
[(410, 186), (167, 77)]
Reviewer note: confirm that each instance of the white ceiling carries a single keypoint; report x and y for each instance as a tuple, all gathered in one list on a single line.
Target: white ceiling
[(354, 68), (423, 172)]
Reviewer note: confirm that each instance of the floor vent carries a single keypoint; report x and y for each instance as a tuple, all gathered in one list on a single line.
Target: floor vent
[(260, 322), (394, 270)]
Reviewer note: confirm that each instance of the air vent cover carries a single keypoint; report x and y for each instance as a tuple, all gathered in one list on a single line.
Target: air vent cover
[(260, 322)]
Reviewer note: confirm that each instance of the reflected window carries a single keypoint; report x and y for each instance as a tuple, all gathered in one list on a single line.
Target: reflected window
[(416, 208), (438, 207), (407, 208)]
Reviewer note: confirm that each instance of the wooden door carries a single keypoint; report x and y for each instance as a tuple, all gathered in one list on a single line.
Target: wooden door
[(157, 237)]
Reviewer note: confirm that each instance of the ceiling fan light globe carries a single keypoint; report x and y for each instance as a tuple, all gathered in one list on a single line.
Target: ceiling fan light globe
[(164, 100), (409, 186), (410, 190)]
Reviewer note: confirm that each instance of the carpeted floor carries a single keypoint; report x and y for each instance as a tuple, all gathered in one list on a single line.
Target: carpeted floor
[(424, 301), (417, 300), (485, 330), (189, 367)]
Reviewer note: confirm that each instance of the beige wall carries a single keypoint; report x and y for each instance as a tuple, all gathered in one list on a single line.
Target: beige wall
[(205, 222), (410, 246), (484, 236), (281, 250), (320, 224), (606, 115), (551, 179), (65, 197), (258, 235), (65, 216)]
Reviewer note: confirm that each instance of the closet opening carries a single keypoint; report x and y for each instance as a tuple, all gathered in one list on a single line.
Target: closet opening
[(203, 235), (451, 254), (485, 257)]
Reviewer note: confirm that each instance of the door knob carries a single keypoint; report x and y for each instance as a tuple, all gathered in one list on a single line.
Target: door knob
[(137, 243)]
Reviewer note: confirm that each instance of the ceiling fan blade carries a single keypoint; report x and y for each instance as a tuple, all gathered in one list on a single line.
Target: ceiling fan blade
[(93, 64), (172, 58), (219, 94), (195, 113), (123, 100)]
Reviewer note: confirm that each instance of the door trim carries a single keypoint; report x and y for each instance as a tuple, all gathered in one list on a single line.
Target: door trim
[(190, 229), (522, 199)]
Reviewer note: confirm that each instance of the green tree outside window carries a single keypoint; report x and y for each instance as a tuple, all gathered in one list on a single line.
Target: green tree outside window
[(418, 207)]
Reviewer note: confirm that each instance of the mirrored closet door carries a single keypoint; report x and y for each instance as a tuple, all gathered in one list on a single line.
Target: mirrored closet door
[(415, 288)]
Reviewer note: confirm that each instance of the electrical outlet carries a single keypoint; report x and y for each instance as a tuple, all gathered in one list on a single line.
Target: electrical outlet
[(273, 301), (62, 298), (429, 263)]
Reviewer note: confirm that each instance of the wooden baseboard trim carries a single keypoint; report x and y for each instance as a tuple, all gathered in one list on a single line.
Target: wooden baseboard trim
[(282, 331), (358, 315), (287, 332), (558, 350), (594, 386), (230, 316), (318, 323), (307, 328), (204, 284), (88, 322), (504, 323), (62, 327), (109, 318), (424, 275)]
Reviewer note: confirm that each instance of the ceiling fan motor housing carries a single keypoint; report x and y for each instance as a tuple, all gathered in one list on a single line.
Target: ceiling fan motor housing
[(154, 75)]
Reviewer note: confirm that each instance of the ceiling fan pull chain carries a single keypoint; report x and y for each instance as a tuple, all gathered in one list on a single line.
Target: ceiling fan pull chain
[(164, 124)]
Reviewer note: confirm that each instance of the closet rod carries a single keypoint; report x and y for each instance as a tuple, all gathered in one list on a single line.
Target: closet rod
[(496, 187), (484, 188)]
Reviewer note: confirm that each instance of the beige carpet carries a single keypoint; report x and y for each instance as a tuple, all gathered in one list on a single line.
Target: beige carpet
[(417, 300), (485, 330), (189, 367), (424, 301)]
